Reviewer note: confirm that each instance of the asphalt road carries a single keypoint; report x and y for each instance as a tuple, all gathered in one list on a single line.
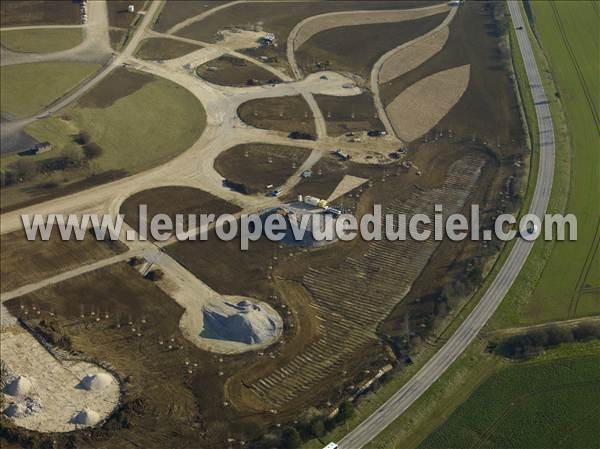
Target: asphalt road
[(469, 329)]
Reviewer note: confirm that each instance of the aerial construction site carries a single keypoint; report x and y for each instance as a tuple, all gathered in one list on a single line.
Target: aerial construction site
[(308, 116)]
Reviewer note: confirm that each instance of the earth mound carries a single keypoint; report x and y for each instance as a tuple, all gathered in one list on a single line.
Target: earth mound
[(85, 417), (95, 381), (18, 387)]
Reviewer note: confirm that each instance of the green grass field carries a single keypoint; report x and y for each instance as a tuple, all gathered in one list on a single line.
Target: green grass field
[(558, 292), (43, 40), (27, 88), (137, 131), (536, 404), (138, 120), (564, 28)]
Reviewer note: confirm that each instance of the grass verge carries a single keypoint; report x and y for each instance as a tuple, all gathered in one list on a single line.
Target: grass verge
[(41, 40), (28, 88)]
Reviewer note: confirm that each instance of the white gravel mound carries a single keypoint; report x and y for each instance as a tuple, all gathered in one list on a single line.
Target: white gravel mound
[(15, 410), (19, 386), (95, 382), (243, 322), (85, 417)]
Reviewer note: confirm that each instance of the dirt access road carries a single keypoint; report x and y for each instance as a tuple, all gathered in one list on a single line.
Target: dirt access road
[(94, 48), (474, 323)]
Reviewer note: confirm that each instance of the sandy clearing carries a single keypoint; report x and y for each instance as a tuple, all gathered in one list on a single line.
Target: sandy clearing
[(347, 184), (53, 384), (422, 105), (310, 26), (409, 58), (236, 39)]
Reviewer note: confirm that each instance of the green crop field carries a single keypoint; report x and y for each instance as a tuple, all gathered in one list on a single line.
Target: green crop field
[(28, 88), (565, 29), (43, 40), (534, 405)]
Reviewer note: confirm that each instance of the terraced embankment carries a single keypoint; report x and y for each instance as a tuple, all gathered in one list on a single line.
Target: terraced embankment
[(349, 307)]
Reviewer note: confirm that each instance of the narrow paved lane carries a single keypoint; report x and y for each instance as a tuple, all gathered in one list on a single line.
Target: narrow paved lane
[(488, 304)]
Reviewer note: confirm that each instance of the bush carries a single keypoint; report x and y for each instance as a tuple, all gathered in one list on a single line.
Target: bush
[(24, 169), (290, 438), (534, 341), (345, 412), (155, 275), (301, 135), (84, 138), (92, 150), (317, 427), (73, 153), (7, 178)]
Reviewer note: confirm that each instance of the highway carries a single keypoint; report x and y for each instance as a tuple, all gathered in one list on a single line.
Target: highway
[(490, 301)]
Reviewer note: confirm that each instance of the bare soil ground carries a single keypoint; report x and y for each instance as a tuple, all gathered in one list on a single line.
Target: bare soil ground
[(119, 17), (231, 71), (161, 49), (254, 166), (174, 200), (117, 38), (356, 49), (161, 391), (40, 12), (232, 271), (55, 385), (176, 11), (25, 261), (411, 57), (167, 405), (488, 110), (278, 18), (421, 106), (352, 18), (45, 191), (349, 114), (285, 114)]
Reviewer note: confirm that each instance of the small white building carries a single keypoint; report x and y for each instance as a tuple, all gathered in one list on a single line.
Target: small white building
[(131, 8)]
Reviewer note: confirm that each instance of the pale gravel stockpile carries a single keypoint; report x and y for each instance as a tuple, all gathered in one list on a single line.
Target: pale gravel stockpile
[(412, 56), (47, 395), (243, 322), (19, 386), (422, 105)]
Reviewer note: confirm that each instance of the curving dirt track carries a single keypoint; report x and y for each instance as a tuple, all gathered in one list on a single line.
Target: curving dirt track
[(304, 30), (375, 73)]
